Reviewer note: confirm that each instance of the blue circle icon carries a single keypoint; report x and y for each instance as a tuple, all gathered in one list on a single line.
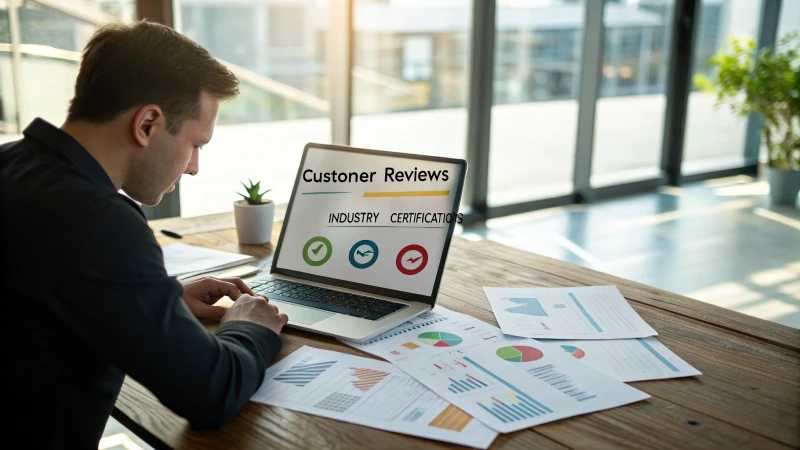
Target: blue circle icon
[(363, 254)]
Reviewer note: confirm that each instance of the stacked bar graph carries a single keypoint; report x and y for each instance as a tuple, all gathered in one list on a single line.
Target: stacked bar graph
[(514, 407), (561, 382), (366, 379), (516, 404), (301, 374), (468, 383)]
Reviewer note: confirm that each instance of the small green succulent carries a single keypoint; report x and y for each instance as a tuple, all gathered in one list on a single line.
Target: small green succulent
[(253, 197)]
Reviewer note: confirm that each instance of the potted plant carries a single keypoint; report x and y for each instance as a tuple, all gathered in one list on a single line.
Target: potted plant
[(254, 215), (765, 83)]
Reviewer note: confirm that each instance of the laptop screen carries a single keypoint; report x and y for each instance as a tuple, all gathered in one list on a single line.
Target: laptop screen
[(374, 221)]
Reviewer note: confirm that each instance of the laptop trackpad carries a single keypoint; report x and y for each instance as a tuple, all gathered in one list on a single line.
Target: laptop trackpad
[(299, 314)]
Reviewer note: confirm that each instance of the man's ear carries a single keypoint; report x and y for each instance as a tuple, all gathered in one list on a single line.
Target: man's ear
[(146, 121)]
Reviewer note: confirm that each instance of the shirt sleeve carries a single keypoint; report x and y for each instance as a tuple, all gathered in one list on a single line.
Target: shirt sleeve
[(113, 291)]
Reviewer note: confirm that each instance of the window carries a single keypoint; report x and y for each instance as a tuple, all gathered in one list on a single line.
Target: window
[(535, 108), (277, 51), (409, 76), (629, 118), (715, 137), (51, 41), (285, 26)]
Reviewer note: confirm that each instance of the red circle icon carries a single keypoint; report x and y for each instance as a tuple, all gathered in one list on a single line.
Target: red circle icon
[(423, 255)]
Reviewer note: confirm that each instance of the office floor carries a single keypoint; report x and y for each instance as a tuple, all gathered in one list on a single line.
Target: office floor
[(718, 241)]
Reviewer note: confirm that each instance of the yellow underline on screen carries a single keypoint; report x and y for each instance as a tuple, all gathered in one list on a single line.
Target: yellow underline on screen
[(408, 194)]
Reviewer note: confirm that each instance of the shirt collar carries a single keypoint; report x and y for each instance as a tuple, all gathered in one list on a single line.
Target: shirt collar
[(59, 140)]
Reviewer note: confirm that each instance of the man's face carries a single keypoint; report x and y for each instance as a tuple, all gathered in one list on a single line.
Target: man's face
[(158, 168)]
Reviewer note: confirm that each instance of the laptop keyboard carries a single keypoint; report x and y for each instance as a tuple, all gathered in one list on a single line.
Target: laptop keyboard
[(325, 299)]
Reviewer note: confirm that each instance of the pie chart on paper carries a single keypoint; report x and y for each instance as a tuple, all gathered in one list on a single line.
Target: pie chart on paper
[(440, 339), (574, 351), (519, 353)]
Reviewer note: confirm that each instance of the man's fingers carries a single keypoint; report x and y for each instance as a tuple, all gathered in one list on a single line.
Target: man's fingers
[(204, 311), (243, 288), (284, 317), (222, 288)]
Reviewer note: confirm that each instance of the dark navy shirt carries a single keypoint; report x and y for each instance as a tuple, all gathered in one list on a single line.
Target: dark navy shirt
[(87, 300)]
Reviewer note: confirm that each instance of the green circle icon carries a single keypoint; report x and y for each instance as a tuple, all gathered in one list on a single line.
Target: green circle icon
[(323, 242)]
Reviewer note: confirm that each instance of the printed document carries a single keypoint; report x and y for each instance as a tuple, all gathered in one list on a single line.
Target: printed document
[(591, 312), (367, 392), (507, 383), (629, 359), (184, 261)]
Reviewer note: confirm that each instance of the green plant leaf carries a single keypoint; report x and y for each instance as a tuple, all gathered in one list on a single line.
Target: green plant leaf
[(765, 82)]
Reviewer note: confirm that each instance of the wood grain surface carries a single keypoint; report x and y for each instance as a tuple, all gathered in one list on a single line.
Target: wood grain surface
[(747, 397)]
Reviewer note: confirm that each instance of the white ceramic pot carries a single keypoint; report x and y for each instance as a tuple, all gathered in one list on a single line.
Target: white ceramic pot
[(254, 222)]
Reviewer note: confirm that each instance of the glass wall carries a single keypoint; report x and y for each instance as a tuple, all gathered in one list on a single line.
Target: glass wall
[(790, 18), (714, 136), (277, 50), (629, 119), (410, 76), (8, 110), (410, 82), (51, 42), (535, 110)]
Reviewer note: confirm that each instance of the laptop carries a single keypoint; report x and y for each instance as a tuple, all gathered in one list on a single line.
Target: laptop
[(364, 240)]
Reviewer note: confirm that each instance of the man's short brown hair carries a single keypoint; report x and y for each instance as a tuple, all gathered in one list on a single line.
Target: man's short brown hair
[(127, 66)]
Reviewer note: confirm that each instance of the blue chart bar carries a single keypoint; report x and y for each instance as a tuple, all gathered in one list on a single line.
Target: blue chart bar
[(521, 409), (560, 381), (520, 396), (585, 313), (467, 384), (302, 374), (658, 355), (414, 415)]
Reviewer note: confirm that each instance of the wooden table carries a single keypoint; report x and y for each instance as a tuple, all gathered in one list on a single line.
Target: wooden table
[(747, 397)]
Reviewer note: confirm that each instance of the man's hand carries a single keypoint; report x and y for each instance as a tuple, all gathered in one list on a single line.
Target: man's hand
[(201, 295), (257, 310)]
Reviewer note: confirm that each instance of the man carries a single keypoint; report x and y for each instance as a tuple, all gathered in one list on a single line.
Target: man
[(84, 274)]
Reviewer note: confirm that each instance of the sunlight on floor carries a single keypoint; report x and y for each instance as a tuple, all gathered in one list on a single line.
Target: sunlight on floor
[(772, 215), (771, 310), (743, 190), (727, 295), (765, 304), (773, 276)]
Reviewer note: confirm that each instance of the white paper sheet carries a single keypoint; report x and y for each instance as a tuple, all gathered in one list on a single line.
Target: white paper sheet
[(183, 260), (629, 359), (591, 312), (367, 392), (508, 383)]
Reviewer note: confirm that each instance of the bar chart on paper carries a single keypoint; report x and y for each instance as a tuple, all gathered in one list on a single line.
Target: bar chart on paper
[(513, 407), (499, 403), (367, 392), (589, 312), (302, 373)]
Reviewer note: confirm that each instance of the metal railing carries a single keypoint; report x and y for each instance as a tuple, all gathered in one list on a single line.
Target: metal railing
[(96, 17)]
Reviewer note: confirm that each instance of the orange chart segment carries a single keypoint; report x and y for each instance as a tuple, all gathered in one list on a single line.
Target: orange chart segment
[(410, 345), (451, 418), (366, 379)]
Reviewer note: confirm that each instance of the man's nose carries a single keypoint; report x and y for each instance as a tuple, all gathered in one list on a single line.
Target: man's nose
[(194, 164)]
